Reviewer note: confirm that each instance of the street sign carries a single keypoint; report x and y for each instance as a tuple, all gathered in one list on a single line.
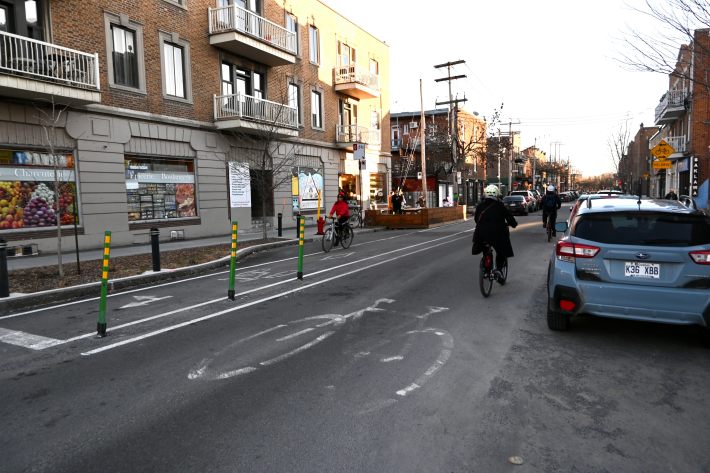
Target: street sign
[(662, 150), (358, 151), (662, 164)]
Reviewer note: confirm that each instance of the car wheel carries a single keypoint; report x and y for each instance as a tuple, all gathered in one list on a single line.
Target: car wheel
[(555, 320)]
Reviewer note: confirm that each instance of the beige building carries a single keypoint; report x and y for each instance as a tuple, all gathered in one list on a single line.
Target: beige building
[(183, 116)]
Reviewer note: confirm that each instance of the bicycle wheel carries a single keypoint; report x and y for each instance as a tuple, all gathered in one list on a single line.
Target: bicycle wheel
[(347, 237), (327, 240), (485, 282), (355, 220)]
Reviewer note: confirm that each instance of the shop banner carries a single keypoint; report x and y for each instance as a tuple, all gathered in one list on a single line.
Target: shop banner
[(310, 184), (239, 185), (35, 174)]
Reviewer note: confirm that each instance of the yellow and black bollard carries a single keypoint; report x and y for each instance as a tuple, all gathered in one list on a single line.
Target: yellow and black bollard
[(301, 236), (232, 261), (101, 325)]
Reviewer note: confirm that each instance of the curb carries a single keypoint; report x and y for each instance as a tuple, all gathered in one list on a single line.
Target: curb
[(68, 294)]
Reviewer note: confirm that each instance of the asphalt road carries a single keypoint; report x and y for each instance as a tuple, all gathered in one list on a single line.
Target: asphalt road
[(384, 358)]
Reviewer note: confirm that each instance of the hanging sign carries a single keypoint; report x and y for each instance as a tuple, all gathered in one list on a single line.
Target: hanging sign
[(239, 185)]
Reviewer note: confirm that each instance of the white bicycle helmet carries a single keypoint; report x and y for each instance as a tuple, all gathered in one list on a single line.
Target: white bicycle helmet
[(491, 191), (550, 188)]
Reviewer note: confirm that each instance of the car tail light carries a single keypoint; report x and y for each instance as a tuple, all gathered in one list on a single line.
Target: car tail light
[(700, 257), (568, 251), (567, 305)]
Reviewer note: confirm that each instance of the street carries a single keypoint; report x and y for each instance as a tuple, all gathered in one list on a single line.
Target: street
[(384, 358)]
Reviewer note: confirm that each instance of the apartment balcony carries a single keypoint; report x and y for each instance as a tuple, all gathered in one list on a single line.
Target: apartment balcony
[(246, 114), (678, 143), (671, 107), (36, 70), (355, 82), (246, 34), (347, 135)]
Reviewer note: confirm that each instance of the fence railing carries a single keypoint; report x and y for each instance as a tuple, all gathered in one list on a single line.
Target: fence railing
[(261, 110), (672, 99), (234, 18), (678, 143), (29, 57), (351, 134), (351, 73)]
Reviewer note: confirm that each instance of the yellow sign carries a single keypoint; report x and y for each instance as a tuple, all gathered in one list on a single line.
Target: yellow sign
[(662, 150), (662, 164)]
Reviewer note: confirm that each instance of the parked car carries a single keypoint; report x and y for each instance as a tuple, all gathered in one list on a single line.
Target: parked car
[(516, 204), (582, 200), (646, 260), (538, 198), (529, 199)]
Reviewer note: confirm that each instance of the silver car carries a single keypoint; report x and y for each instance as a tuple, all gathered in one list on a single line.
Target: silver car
[(644, 259)]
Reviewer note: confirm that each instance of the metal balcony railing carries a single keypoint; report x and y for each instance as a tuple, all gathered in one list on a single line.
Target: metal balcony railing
[(678, 143), (351, 134), (352, 74), (260, 110), (46, 61), (672, 100), (234, 18)]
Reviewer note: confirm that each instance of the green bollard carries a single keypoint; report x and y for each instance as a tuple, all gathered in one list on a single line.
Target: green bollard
[(233, 261), (301, 235), (101, 325)]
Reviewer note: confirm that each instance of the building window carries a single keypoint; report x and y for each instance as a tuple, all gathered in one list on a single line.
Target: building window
[(374, 68), (294, 100), (27, 189), (174, 75), (124, 57), (374, 119), (313, 45), (158, 189), (180, 3), (292, 26), (124, 48), (316, 110)]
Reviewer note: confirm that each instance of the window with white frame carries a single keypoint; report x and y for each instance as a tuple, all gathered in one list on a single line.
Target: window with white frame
[(175, 59), (313, 45), (316, 109), (292, 26), (294, 99)]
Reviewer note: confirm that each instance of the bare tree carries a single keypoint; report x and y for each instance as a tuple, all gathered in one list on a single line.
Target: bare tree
[(659, 51), (50, 119), (618, 144)]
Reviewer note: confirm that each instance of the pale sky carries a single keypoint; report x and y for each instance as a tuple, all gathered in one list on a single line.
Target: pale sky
[(551, 62)]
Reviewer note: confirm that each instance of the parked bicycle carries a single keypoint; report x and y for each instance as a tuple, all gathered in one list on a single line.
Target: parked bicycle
[(355, 217), (486, 272), (337, 234)]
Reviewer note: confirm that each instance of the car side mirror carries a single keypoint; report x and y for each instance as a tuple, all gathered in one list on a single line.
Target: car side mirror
[(561, 227)]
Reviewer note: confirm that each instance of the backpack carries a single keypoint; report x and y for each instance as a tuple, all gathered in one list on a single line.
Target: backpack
[(550, 202)]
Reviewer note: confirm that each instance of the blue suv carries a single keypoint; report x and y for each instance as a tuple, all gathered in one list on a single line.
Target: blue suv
[(643, 259)]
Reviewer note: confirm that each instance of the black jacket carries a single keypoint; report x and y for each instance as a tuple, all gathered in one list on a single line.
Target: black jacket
[(550, 196), (492, 220)]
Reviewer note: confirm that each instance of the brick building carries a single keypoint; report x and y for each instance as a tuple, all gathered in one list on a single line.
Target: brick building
[(683, 115), (184, 114), (634, 166), (446, 175)]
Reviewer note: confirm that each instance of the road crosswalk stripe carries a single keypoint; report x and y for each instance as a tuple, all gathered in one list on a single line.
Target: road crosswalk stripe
[(27, 340)]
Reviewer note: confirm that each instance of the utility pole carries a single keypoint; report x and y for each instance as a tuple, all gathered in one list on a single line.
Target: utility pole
[(453, 104), (422, 127), (510, 154), (534, 180)]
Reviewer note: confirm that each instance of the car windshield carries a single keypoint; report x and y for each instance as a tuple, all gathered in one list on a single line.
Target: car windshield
[(643, 228)]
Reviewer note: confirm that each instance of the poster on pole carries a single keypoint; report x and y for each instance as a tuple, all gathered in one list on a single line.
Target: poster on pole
[(239, 185)]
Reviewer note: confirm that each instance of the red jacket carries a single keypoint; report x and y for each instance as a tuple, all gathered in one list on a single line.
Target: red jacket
[(341, 209)]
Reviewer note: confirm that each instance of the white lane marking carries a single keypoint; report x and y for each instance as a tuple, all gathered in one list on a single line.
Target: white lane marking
[(294, 335), (240, 371), (297, 350), (448, 343), (392, 358), (27, 340), (143, 300), (408, 389), (255, 302), (194, 278), (338, 256)]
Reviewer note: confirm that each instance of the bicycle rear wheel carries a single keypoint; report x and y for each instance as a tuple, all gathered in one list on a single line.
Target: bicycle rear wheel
[(355, 220), (327, 240), (485, 282), (347, 237)]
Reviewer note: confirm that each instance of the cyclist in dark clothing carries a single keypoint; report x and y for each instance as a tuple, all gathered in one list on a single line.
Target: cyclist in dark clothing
[(492, 221), (550, 203)]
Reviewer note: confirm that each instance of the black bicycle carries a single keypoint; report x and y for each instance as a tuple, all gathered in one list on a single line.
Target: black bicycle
[(487, 273), (355, 217), (334, 234)]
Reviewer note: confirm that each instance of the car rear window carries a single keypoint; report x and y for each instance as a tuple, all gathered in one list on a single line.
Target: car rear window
[(644, 228), (510, 198)]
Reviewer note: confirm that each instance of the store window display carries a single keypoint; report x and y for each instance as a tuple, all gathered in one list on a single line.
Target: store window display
[(28, 196), (158, 189)]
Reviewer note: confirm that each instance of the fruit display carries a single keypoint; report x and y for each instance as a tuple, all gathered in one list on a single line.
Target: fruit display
[(26, 204)]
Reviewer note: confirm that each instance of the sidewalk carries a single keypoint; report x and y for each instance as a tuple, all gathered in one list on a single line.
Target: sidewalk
[(69, 252)]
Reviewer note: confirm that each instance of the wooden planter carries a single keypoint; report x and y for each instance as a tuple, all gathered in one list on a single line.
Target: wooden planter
[(415, 218)]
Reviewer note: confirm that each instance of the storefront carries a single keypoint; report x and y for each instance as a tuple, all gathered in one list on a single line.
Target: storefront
[(160, 189), (29, 199)]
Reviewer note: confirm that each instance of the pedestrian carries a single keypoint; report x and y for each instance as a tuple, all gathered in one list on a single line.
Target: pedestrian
[(396, 202), (421, 202), (446, 202), (389, 202), (671, 195)]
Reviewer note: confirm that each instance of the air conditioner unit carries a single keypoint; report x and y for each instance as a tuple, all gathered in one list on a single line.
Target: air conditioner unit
[(413, 125)]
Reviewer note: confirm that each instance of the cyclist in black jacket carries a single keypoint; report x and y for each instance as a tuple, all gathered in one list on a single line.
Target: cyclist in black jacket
[(550, 204), (492, 221)]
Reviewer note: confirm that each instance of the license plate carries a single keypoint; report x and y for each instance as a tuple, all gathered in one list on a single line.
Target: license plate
[(634, 269)]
